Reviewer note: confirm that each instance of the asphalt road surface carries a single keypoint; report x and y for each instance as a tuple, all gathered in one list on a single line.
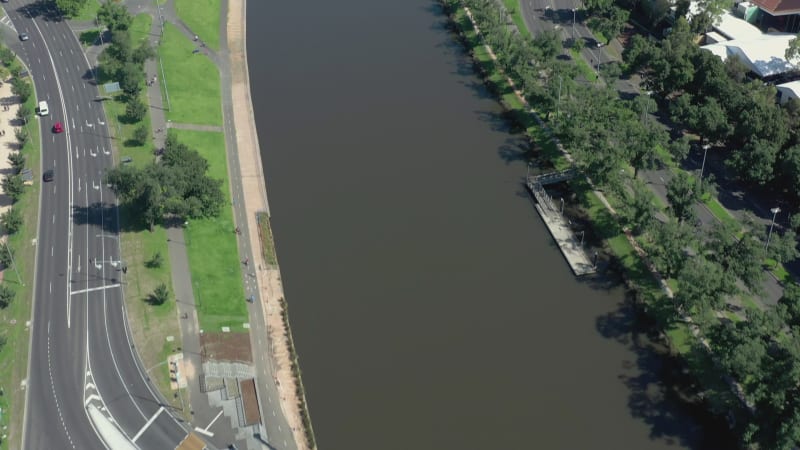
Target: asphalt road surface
[(81, 352)]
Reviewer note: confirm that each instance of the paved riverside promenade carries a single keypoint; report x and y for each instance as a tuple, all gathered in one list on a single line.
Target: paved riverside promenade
[(567, 241)]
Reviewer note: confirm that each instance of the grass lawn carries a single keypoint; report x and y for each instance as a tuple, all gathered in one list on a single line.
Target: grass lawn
[(89, 10), (14, 354), (150, 324), (718, 211), (583, 66), (213, 253), (513, 8), (122, 131), (202, 17), (192, 81), (140, 28), (267, 243)]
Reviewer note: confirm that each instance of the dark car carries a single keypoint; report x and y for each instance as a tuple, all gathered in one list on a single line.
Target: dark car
[(23, 36), (58, 128), (49, 175)]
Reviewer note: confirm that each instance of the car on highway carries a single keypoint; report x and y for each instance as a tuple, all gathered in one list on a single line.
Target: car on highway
[(23, 36), (48, 175), (58, 128)]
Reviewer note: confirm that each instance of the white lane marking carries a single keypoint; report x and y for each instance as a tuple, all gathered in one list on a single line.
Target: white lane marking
[(90, 398), (207, 433), (83, 291), (52, 249), (147, 425), (51, 287), (53, 387), (214, 420)]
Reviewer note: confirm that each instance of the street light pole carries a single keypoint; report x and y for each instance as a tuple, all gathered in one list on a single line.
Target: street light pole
[(558, 105), (13, 264), (703, 166), (774, 212), (573, 23)]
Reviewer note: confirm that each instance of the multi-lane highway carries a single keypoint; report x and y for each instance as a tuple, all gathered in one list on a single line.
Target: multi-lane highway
[(83, 364)]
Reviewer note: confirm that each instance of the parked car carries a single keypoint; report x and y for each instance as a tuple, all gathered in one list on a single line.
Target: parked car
[(58, 128), (48, 175)]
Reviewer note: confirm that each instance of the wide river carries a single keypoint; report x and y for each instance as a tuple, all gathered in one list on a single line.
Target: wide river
[(429, 305)]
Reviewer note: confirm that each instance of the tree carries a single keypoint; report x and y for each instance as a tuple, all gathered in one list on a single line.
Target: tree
[(783, 247), (755, 162), (548, 43), (738, 348), (790, 171), (793, 50), (125, 181), (131, 78), (6, 296), (70, 8), (156, 261), (789, 304), (656, 11), (140, 134), (22, 136), (21, 89), (679, 148), (142, 53), (682, 194), (668, 245), (11, 220), (135, 110), (115, 16), (160, 295), (611, 23), (24, 113), (17, 161), (13, 186), (639, 209), (642, 142), (739, 255), (715, 8), (701, 287), (711, 121)]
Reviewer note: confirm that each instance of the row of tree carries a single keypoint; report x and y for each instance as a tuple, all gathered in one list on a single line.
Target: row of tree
[(606, 133), (123, 62), (12, 183)]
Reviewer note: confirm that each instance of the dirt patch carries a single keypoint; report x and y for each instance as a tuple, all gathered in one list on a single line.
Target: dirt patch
[(234, 347)]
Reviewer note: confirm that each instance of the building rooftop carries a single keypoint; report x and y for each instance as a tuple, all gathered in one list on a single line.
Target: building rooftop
[(763, 55), (778, 7)]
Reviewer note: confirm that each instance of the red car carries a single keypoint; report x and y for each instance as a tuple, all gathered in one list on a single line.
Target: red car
[(58, 128)]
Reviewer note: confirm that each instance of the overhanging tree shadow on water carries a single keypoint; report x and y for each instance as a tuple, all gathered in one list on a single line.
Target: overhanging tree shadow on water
[(661, 391)]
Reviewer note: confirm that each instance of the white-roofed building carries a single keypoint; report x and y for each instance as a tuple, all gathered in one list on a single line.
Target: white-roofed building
[(762, 54), (787, 91), (734, 27)]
